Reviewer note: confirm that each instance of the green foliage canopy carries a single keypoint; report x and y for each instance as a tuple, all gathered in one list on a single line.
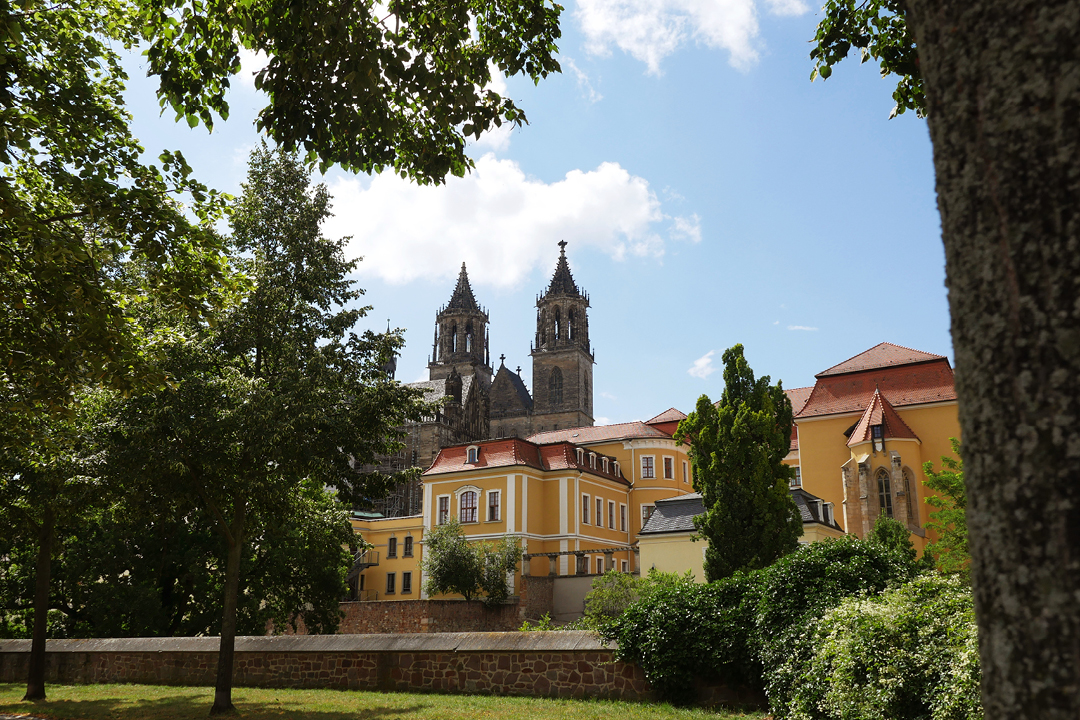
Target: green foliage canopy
[(879, 29), (452, 564), (949, 517), (738, 447)]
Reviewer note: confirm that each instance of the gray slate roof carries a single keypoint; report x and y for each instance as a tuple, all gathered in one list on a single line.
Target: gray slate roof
[(435, 389), (809, 506), (674, 515)]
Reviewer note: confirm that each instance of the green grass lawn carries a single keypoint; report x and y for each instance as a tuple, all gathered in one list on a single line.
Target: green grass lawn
[(151, 702)]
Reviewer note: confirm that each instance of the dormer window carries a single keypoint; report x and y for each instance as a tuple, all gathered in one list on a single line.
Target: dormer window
[(605, 463), (878, 433), (616, 470), (474, 454), (580, 456), (828, 513), (592, 460)]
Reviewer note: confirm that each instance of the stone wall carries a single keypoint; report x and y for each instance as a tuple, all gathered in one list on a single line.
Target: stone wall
[(547, 664), (428, 616)]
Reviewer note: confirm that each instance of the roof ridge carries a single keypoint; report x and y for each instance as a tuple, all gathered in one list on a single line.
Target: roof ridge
[(928, 357)]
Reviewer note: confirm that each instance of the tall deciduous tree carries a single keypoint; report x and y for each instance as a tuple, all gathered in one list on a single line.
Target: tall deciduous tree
[(279, 392), (452, 564), (1003, 103), (738, 447)]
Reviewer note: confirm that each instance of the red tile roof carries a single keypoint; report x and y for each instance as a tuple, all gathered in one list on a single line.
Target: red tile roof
[(925, 382), (515, 452), (669, 415), (798, 397), (880, 356), (880, 412), (598, 433)]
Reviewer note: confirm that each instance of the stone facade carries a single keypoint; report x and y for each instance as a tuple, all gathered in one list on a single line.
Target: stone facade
[(479, 403), (546, 664)]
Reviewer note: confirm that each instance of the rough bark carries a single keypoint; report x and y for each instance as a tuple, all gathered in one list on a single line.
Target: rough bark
[(1003, 90), (35, 681), (223, 688)]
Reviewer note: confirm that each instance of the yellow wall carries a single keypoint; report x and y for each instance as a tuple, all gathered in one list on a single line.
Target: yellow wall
[(377, 533), (676, 552)]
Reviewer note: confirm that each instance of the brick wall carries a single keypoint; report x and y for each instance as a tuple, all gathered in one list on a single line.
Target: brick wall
[(428, 616), (547, 664)]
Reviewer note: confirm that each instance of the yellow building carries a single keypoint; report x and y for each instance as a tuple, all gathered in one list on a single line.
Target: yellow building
[(580, 499), (865, 429)]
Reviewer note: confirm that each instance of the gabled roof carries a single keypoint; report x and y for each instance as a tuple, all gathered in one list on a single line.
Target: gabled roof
[(515, 452), (669, 415), (562, 282), (880, 356), (810, 507), (912, 384), (798, 397), (519, 394), (463, 298), (880, 412), (599, 433), (435, 389), (674, 515)]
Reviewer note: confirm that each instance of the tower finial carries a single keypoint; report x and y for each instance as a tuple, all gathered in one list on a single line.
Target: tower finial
[(562, 247)]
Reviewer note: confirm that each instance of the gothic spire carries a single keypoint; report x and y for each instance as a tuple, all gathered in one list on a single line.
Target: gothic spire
[(562, 282), (463, 298)]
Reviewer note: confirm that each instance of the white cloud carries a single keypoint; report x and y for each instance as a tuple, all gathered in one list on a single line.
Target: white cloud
[(650, 30), (703, 366), (583, 82), (496, 219), (608, 395), (602, 421), (251, 63), (801, 327), (687, 228)]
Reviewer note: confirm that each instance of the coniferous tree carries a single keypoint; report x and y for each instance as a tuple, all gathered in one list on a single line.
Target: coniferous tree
[(737, 447)]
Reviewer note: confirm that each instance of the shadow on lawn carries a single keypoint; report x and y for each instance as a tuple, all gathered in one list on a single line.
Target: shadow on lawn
[(182, 705)]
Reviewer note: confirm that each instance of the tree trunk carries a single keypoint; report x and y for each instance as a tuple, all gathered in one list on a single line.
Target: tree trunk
[(223, 689), (35, 681), (1003, 89)]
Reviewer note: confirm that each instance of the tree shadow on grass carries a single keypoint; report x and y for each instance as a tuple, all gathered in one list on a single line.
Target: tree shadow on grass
[(196, 704)]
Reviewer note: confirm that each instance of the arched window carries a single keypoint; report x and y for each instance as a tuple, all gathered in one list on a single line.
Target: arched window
[(911, 497), (453, 338), (468, 338), (884, 492), (558, 323), (555, 387), (468, 507), (572, 332)]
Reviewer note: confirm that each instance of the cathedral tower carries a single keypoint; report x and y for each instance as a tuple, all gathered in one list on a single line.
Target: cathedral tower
[(461, 337), (562, 357)]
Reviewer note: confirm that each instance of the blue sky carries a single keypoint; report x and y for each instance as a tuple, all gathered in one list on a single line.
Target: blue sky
[(710, 194)]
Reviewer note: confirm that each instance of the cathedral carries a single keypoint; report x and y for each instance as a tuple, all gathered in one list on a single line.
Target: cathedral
[(481, 402)]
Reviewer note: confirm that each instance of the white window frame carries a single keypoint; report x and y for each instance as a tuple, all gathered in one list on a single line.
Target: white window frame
[(622, 517), (440, 517), (461, 507), (599, 512), (592, 460), (625, 566), (604, 461), (686, 472), (473, 455), (498, 506), (599, 565), (646, 513), (652, 467), (580, 456), (586, 505), (669, 463), (611, 514), (796, 482), (616, 471)]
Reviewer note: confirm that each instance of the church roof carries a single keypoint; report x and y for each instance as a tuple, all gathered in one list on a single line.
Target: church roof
[(562, 282), (463, 298), (880, 356), (435, 389), (881, 412), (599, 433), (520, 393)]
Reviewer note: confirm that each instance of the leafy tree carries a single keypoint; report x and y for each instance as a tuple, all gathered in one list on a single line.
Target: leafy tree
[(452, 564), (997, 78), (614, 591), (892, 534), (277, 393), (738, 447), (949, 519)]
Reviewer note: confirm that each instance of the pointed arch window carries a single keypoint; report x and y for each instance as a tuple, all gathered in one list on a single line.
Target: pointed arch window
[(911, 498), (468, 338), (572, 330), (558, 323), (555, 386), (885, 492), (453, 338)]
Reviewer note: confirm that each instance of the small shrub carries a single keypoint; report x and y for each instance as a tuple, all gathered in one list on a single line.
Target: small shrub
[(908, 653)]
